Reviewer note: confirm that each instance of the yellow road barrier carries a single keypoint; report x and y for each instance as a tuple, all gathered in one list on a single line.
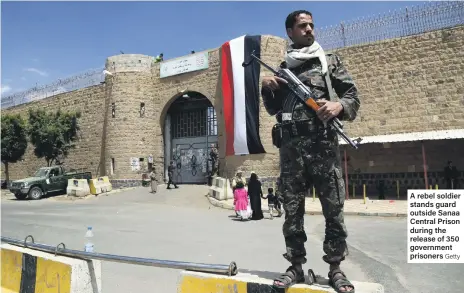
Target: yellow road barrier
[(28, 270), (100, 185)]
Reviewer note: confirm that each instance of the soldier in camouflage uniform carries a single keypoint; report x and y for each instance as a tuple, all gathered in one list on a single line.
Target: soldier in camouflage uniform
[(309, 151)]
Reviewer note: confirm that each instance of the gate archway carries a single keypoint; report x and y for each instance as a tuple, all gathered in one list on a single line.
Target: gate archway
[(190, 136)]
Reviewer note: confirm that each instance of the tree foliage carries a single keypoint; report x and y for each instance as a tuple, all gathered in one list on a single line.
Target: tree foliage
[(14, 140), (53, 134)]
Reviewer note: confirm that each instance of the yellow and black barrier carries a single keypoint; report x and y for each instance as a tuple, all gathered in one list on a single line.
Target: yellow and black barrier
[(29, 271), (197, 282), (100, 185), (78, 187)]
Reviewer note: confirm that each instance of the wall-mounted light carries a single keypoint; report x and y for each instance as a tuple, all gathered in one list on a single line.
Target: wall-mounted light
[(113, 110), (142, 109)]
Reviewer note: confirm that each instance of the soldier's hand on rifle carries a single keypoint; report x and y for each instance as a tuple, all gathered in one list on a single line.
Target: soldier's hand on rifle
[(272, 82), (328, 109)]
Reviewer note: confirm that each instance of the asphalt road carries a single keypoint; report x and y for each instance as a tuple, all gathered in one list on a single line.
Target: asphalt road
[(181, 225)]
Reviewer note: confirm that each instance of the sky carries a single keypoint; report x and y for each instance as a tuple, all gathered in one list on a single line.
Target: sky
[(45, 41)]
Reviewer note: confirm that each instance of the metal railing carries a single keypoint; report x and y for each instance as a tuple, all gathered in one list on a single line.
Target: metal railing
[(60, 249)]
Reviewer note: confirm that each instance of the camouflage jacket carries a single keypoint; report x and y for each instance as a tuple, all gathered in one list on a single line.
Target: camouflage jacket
[(310, 73)]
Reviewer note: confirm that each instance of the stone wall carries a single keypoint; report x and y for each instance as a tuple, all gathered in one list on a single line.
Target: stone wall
[(86, 155), (406, 85), (409, 84)]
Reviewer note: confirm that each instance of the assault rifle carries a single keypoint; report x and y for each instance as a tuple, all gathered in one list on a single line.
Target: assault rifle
[(305, 95)]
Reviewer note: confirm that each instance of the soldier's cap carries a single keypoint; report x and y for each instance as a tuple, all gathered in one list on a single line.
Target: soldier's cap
[(239, 171)]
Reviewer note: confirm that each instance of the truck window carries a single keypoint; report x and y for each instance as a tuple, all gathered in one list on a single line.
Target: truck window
[(42, 172), (54, 172)]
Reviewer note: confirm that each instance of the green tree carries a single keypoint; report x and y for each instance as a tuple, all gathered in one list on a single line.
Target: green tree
[(53, 134), (14, 140)]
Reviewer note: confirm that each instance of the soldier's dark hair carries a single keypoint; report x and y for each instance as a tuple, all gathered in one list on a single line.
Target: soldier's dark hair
[(291, 18), (270, 190)]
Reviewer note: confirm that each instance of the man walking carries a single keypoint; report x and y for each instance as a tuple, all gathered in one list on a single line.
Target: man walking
[(171, 169), (309, 150)]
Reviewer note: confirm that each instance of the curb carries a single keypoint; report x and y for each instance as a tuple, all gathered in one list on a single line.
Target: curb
[(91, 196), (257, 282), (228, 206)]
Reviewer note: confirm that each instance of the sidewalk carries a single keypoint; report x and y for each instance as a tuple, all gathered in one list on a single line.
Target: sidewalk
[(7, 195), (380, 208)]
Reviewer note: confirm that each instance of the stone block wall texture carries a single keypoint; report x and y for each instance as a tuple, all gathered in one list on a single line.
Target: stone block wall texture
[(86, 155), (406, 85)]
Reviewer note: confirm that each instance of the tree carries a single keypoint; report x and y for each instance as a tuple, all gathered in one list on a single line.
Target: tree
[(53, 134), (14, 140)]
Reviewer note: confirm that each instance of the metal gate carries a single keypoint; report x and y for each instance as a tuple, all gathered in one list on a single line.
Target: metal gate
[(193, 135)]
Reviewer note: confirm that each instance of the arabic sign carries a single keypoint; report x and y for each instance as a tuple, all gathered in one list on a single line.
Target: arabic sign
[(184, 64)]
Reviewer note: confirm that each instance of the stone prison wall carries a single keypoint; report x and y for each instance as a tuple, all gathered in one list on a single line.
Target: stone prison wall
[(409, 84)]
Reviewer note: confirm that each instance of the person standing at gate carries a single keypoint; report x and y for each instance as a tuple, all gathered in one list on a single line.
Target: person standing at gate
[(171, 169), (153, 181)]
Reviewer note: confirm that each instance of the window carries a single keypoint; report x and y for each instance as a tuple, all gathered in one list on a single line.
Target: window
[(212, 121), (142, 110), (112, 166)]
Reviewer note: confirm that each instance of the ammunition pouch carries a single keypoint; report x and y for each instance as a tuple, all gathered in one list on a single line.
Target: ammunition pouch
[(299, 129), (277, 135)]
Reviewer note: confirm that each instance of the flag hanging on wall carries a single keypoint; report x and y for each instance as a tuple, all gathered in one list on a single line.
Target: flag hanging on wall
[(240, 92)]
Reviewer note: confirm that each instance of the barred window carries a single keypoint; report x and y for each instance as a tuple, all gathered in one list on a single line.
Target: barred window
[(189, 123)]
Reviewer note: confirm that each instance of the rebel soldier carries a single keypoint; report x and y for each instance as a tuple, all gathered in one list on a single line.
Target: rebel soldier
[(308, 148)]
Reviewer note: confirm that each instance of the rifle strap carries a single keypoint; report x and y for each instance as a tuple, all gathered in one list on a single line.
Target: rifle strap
[(332, 94)]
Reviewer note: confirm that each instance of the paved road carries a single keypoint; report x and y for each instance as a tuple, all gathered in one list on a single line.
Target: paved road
[(181, 225)]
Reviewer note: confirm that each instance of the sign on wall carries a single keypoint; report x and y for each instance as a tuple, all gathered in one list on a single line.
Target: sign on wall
[(135, 164), (189, 63)]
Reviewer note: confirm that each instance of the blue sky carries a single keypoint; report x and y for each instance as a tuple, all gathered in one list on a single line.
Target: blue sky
[(45, 41)]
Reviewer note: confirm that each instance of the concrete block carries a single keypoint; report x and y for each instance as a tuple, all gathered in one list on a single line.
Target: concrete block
[(78, 187), (195, 282), (28, 270), (220, 189)]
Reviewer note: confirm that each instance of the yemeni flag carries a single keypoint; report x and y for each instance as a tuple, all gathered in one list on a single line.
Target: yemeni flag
[(240, 92)]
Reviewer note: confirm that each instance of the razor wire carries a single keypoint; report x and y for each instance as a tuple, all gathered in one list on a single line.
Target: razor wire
[(404, 22), (83, 80)]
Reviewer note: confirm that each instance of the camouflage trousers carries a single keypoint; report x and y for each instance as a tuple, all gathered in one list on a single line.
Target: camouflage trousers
[(306, 162)]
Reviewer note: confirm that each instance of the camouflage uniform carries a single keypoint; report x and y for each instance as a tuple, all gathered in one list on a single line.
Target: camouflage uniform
[(309, 154)]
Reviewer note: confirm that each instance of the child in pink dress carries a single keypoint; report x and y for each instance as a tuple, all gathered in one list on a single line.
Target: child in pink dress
[(241, 201)]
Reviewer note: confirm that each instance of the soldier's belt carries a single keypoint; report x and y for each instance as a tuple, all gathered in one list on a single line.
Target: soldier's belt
[(300, 128)]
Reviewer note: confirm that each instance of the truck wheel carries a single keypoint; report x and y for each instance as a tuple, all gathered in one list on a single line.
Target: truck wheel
[(35, 193), (20, 196)]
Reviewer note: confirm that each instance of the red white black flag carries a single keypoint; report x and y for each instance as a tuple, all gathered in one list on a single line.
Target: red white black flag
[(240, 91)]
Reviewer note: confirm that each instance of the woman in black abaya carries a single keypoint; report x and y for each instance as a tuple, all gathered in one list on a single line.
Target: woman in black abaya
[(255, 193)]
